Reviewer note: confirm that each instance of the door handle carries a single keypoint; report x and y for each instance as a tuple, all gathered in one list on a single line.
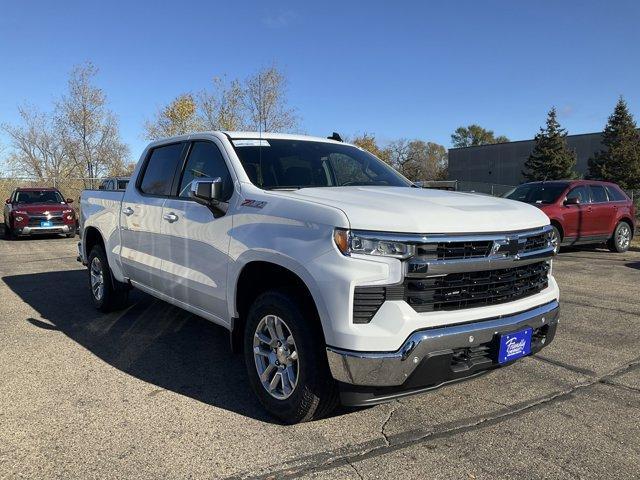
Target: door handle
[(170, 217), (127, 211)]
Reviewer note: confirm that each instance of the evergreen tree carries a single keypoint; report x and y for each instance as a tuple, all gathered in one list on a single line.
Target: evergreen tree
[(619, 161), (550, 158)]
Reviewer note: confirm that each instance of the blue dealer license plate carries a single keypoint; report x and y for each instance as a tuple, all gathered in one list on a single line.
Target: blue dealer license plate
[(46, 224), (515, 345)]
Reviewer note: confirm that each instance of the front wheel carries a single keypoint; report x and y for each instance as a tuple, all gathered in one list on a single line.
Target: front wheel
[(621, 238), (556, 239), (286, 360)]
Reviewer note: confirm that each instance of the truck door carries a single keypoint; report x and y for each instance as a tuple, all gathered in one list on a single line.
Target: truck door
[(141, 215), (195, 268)]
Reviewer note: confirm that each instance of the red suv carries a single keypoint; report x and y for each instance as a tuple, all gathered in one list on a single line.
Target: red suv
[(583, 211), (38, 210)]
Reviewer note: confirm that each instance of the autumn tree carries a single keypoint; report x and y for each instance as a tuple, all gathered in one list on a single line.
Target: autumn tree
[(473, 135), (258, 103), (619, 161), (266, 102), (550, 158), (222, 108), (177, 118), (368, 142), (89, 130)]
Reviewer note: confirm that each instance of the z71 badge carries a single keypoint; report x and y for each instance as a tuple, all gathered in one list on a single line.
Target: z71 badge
[(253, 203)]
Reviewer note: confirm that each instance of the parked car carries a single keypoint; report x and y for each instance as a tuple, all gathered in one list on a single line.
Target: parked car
[(583, 211), (336, 277), (114, 183), (32, 211)]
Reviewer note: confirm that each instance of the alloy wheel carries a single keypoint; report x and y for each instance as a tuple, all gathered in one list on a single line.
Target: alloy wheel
[(555, 241), (623, 237), (97, 278), (276, 357)]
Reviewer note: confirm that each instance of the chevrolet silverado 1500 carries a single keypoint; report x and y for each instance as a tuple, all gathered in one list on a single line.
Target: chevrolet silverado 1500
[(336, 277)]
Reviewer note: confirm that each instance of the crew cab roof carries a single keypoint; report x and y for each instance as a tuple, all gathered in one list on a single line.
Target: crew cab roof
[(36, 189)]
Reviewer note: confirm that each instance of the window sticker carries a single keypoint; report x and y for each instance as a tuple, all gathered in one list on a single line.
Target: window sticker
[(251, 143)]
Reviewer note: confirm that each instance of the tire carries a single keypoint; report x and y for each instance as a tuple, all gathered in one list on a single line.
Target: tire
[(621, 238), (107, 293), (9, 234), (314, 393), (556, 239)]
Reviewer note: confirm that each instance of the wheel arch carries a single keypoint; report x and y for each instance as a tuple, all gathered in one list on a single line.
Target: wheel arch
[(556, 223), (628, 221), (90, 238), (260, 275)]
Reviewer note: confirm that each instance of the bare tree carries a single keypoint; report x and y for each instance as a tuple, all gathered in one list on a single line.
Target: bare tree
[(37, 147), (266, 103), (222, 108), (89, 130)]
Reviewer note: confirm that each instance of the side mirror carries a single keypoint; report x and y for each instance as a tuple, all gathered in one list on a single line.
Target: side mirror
[(207, 191), (69, 200), (572, 201)]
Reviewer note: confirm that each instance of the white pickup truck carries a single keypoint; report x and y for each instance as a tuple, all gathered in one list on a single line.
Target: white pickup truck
[(337, 278)]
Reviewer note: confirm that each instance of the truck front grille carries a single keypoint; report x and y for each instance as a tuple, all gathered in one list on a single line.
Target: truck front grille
[(473, 289), (463, 250), (454, 291)]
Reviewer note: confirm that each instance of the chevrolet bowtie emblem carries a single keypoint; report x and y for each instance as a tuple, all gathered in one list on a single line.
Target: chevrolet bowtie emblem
[(509, 247)]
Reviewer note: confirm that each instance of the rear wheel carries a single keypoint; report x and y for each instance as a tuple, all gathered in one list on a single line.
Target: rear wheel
[(621, 238), (286, 360), (108, 294)]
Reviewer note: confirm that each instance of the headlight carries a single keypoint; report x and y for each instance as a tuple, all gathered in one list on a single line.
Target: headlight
[(370, 243)]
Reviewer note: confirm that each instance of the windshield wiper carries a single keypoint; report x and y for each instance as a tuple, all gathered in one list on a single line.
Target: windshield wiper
[(283, 188)]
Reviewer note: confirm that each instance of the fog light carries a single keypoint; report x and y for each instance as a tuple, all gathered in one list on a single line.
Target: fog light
[(69, 217)]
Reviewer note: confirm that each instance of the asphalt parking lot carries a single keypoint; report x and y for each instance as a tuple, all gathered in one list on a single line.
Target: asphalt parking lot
[(153, 392)]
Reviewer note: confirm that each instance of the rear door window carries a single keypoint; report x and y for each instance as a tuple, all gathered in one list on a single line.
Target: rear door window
[(598, 194), (160, 169)]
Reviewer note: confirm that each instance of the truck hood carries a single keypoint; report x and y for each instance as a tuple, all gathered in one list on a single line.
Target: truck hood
[(418, 210)]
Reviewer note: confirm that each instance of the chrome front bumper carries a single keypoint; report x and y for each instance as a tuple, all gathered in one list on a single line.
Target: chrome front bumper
[(44, 230), (388, 369)]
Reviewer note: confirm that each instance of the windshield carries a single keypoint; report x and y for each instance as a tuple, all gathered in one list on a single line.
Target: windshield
[(291, 164), (537, 192), (39, 196)]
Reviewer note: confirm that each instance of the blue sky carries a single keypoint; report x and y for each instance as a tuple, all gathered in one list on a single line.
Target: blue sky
[(394, 69)]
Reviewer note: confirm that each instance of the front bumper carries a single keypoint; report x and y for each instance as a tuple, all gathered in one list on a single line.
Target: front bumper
[(45, 230), (436, 356)]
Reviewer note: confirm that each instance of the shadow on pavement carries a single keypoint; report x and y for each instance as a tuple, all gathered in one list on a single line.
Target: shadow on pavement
[(152, 340), (635, 265)]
